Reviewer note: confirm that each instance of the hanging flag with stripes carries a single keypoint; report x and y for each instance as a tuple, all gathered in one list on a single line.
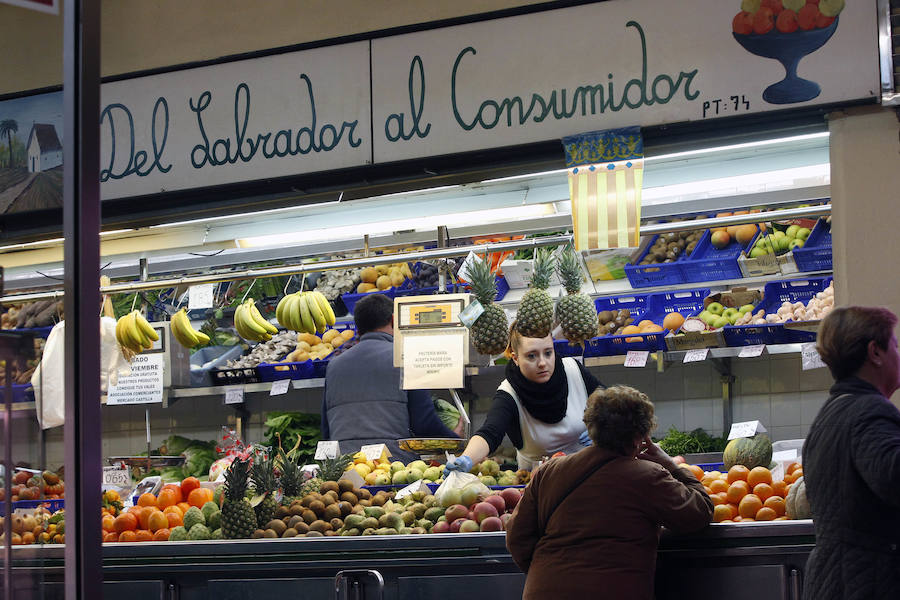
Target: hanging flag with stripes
[(606, 170)]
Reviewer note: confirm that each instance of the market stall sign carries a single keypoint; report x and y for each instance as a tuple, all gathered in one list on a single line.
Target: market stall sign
[(376, 451), (809, 357), (280, 387), (636, 358), (745, 429), (143, 386), (434, 361), (327, 449)]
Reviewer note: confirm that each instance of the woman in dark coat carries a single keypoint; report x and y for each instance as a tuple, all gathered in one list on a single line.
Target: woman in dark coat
[(603, 535), (851, 461)]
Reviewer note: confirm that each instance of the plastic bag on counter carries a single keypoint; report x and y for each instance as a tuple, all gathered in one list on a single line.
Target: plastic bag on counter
[(49, 377), (457, 485)]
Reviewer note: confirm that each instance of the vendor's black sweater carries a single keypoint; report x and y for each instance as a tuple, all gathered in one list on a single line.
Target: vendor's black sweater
[(503, 418)]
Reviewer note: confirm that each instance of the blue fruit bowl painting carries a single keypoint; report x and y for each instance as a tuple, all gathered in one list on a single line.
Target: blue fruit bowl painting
[(788, 49)]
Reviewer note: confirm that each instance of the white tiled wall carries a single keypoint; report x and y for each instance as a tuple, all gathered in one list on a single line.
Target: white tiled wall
[(771, 389)]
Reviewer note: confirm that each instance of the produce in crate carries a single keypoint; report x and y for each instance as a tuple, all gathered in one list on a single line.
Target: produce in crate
[(534, 317), (271, 351), (575, 311), (611, 321), (490, 332), (264, 485), (668, 247), (339, 281), (135, 333), (41, 313), (250, 324), (184, 332), (383, 277), (305, 312), (330, 469), (238, 517)]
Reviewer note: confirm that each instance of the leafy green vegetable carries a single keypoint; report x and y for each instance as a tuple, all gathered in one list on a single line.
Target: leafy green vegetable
[(677, 443), (447, 412), (291, 426)]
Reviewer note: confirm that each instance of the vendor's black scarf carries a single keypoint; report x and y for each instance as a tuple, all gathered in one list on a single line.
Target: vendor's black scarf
[(547, 401)]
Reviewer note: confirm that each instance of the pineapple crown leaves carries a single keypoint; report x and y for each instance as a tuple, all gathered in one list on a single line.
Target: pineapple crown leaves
[(482, 280), (263, 473), (331, 469), (236, 478), (569, 271), (543, 269)]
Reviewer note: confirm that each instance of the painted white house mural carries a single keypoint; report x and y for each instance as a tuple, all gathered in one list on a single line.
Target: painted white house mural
[(43, 148)]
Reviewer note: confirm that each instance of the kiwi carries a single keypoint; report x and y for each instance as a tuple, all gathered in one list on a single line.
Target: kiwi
[(314, 534), (345, 508), (318, 507), (258, 534), (309, 516), (320, 526), (298, 509), (363, 494), (290, 532), (328, 486), (344, 486), (270, 533), (330, 533), (294, 521), (332, 511), (605, 316), (349, 497), (328, 500), (276, 525), (378, 500), (301, 527), (625, 312), (336, 523), (282, 511)]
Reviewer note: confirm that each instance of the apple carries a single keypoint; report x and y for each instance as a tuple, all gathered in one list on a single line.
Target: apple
[(492, 524), (795, 244), (745, 309), (441, 527), (793, 5), (791, 231), (720, 239), (483, 510), (498, 502), (742, 23), (750, 6), (803, 233), (787, 21), (715, 308), (706, 316), (457, 511), (511, 496), (806, 16), (455, 525), (720, 322), (763, 20), (504, 518), (469, 527), (831, 8), (731, 314)]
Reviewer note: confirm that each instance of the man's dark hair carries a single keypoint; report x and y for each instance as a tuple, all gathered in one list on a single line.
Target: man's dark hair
[(373, 312)]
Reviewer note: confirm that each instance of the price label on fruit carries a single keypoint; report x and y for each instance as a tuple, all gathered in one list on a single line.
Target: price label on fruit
[(752, 351), (327, 449), (375, 451), (809, 357), (234, 395), (119, 477), (636, 358), (280, 387), (200, 296), (696, 355), (470, 314), (745, 429)]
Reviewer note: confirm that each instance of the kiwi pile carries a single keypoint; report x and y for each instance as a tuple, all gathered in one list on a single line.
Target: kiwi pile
[(668, 247), (611, 321)]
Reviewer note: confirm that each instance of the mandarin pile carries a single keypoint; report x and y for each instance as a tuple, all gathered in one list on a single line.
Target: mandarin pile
[(743, 494)]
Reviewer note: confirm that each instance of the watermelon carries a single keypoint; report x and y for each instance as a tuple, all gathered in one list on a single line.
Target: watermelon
[(750, 452)]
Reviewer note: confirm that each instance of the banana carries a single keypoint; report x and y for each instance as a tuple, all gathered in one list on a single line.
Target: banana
[(279, 311), (326, 307), (181, 328), (316, 311), (204, 339), (145, 327), (248, 321), (305, 317), (120, 334), (261, 320), (137, 337), (287, 312), (239, 323)]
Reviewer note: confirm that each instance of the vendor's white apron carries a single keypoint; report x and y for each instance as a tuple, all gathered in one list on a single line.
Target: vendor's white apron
[(543, 439)]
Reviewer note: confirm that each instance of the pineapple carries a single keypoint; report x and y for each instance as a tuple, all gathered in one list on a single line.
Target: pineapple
[(329, 469), (490, 332), (264, 484), (291, 480), (535, 315), (238, 518), (575, 312)]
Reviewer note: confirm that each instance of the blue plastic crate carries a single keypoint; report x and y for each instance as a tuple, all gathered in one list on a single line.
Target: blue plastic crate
[(686, 302), (350, 300), (502, 289), (776, 292), (708, 263), (815, 255), (707, 467), (291, 370), (51, 505), (611, 345), (655, 275), (218, 356), (236, 376)]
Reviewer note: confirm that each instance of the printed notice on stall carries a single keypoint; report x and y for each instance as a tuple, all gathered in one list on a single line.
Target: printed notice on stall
[(809, 357), (433, 361), (143, 386), (200, 296), (752, 351)]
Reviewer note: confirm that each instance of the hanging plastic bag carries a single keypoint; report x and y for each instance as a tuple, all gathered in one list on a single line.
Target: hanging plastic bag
[(461, 488), (49, 378)]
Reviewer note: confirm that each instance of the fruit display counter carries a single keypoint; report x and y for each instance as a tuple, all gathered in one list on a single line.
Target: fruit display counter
[(743, 560)]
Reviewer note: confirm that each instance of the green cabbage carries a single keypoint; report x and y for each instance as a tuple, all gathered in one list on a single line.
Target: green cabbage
[(447, 412)]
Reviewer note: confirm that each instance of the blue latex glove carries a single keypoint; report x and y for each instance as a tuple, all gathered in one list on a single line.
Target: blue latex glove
[(585, 440), (462, 464)]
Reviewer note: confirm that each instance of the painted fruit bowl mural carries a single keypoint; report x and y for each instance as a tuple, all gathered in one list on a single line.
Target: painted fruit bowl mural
[(787, 30)]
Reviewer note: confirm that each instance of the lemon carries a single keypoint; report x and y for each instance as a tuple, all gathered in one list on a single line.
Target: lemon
[(363, 469)]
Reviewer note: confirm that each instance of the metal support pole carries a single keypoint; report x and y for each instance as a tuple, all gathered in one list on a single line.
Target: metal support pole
[(7, 481), (81, 228), (723, 366), (442, 269), (144, 269)]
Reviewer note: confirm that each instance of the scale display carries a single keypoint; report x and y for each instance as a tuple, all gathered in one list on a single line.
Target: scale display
[(438, 313), (430, 316)]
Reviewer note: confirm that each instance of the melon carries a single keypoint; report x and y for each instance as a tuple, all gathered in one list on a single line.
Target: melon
[(750, 452), (796, 503)]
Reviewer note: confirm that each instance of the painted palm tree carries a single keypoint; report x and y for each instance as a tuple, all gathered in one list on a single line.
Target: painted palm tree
[(7, 128)]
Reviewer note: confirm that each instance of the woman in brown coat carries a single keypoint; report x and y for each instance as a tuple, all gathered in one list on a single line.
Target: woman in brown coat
[(590, 521)]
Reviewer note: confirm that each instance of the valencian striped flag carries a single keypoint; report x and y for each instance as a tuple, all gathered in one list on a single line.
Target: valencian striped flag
[(606, 170)]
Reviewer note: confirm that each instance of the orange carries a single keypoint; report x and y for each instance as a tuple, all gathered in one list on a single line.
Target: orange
[(721, 512), (630, 329), (719, 485), (184, 506), (777, 504), (780, 488), (697, 471), (188, 485), (707, 490), (746, 519), (720, 498), (198, 497), (734, 510), (143, 535), (161, 535), (759, 475), (174, 519), (738, 473), (144, 516), (176, 489), (27, 538), (125, 522), (673, 321), (157, 521), (737, 490), (166, 498), (645, 323), (750, 505), (147, 499), (108, 523), (792, 467), (110, 536), (127, 536), (763, 490), (174, 509), (765, 514)]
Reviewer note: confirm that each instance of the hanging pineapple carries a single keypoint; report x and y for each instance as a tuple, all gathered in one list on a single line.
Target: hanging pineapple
[(238, 518), (535, 315), (575, 312), (490, 332)]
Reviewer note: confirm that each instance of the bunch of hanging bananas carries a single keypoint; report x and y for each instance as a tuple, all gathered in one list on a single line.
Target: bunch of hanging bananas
[(135, 333), (250, 324), (184, 333), (307, 312)]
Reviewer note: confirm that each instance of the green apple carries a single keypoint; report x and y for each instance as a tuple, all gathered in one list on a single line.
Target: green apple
[(750, 6), (757, 252), (731, 314), (706, 316), (778, 234), (401, 476), (382, 479), (397, 466), (746, 308), (715, 308), (417, 464), (795, 244), (719, 322), (794, 5), (831, 8), (803, 233), (792, 231)]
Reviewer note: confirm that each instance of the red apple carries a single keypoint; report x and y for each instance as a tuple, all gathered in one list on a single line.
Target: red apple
[(469, 527), (511, 496), (822, 21), (720, 239), (492, 524), (498, 502), (806, 17), (483, 510), (742, 23), (787, 21), (774, 5), (764, 20), (455, 525), (441, 527), (457, 511)]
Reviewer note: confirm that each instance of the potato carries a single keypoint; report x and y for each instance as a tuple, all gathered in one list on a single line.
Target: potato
[(348, 334), (330, 335), (309, 338), (303, 345), (383, 283), (365, 287), (369, 275)]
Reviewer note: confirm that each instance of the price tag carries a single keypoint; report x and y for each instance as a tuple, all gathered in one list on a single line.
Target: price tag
[(416, 486), (327, 449), (696, 355), (234, 395), (636, 358), (280, 387), (116, 477), (470, 314), (200, 296), (809, 357), (353, 476), (785, 455), (463, 272), (745, 429), (752, 351), (375, 451)]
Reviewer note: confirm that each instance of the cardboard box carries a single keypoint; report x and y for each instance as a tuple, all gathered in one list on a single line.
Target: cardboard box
[(694, 340), (756, 267), (787, 264), (518, 274), (735, 298)]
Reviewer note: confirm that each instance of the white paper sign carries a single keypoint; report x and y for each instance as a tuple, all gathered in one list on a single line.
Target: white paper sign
[(752, 351), (353, 476), (416, 486), (375, 451), (143, 386), (234, 395), (200, 296), (696, 355), (470, 314), (463, 272), (785, 455), (745, 429), (809, 357), (433, 361), (327, 449), (280, 387), (636, 358), (116, 477)]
